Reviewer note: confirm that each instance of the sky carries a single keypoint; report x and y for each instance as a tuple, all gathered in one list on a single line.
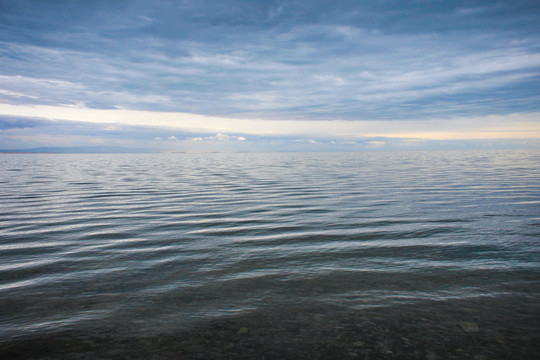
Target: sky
[(239, 75)]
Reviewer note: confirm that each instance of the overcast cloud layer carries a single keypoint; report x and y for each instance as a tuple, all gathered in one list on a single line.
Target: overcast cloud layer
[(356, 61)]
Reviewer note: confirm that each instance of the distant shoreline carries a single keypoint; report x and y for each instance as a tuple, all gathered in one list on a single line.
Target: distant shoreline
[(64, 151)]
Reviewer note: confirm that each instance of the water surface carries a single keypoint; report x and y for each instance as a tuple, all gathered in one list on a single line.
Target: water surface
[(148, 244)]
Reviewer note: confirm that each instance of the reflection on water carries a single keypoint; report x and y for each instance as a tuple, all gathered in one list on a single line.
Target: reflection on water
[(162, 242)]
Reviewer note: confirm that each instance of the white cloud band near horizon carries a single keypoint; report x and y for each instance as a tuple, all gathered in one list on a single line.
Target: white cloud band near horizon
[(511, 126)]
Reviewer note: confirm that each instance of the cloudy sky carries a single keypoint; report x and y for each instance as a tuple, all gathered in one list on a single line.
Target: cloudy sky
[(269, 75)]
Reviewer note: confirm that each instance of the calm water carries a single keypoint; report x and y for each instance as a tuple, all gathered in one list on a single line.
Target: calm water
[(147, 243)]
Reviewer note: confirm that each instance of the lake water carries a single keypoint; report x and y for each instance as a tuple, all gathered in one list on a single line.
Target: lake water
[(142, 245)]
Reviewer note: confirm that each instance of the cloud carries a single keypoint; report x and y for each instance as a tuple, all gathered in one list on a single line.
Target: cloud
[(307, 141), (218, 137), (518, 125), (377, 144), (359, 61), (10, 122), (275, 68), (21, 133)]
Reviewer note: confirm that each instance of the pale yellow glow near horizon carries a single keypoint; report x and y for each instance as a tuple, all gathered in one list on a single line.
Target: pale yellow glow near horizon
[(515, 126)]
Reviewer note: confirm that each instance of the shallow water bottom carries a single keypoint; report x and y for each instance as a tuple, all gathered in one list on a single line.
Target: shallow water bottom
[(481, 328)]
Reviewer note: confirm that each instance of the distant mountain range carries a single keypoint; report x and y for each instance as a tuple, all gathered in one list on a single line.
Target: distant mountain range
[(82, 150)]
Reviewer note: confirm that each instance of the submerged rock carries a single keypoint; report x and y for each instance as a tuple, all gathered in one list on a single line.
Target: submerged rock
[(242, 330), (469, 327)]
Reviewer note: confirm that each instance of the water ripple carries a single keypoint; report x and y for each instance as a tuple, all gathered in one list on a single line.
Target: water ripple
[(172, 238)]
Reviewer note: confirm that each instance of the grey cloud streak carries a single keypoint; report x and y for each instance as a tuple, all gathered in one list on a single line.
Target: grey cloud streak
[(275, 59)]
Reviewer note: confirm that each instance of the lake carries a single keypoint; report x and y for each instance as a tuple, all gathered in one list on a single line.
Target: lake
[(270, 255)]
